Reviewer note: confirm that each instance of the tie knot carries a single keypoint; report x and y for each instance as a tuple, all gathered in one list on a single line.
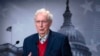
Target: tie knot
[(42, 40)]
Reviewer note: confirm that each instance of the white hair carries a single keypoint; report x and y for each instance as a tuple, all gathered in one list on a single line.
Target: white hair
[(43, 10)]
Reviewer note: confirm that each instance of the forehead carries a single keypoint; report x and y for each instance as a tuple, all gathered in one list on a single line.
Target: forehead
[(41, 16)]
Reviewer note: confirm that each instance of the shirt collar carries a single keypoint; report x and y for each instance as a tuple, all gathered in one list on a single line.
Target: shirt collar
[(44, 38)]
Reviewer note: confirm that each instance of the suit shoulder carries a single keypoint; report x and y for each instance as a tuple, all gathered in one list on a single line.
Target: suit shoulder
[(59, 35), (31, 36)]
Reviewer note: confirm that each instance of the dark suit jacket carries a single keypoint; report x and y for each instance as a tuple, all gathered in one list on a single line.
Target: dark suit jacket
[(57, 45)]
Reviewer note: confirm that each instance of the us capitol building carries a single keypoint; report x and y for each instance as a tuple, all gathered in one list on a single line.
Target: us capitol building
[(76, 39)]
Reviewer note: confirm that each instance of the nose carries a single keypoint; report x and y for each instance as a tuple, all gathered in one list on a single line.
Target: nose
[(41, 24)]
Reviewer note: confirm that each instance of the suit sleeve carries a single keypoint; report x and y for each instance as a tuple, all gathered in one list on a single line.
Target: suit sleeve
[(66, 49)]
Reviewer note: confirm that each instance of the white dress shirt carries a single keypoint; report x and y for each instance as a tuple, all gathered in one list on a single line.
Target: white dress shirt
[(43, 39)]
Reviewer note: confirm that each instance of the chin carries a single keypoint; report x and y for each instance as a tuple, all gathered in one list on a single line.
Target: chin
[(41, 32)]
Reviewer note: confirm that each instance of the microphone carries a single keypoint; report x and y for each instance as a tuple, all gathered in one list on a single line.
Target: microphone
[(17, 42), (13, 46)]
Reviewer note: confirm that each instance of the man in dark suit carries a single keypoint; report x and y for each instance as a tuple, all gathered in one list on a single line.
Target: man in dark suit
[(46, 42)]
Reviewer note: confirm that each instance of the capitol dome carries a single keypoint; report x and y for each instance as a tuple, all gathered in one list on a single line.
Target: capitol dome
[(76, 39), (73, 34), (68, 28)]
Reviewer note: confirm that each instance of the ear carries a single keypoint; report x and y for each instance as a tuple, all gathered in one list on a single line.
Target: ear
[(50, 23)]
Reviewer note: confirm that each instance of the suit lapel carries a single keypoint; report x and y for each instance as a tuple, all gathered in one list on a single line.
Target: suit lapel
[(50, 42), (34, 47)]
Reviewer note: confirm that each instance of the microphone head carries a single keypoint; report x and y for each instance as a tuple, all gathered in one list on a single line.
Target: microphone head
[(17, 42)]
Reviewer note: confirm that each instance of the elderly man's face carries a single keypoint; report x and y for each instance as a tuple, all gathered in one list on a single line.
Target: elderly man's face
[(42, 24)]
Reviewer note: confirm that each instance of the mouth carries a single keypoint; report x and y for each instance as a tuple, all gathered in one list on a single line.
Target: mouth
[(41, 29)]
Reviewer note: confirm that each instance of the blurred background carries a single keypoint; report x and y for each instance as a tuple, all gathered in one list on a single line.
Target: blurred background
[(17, 20)]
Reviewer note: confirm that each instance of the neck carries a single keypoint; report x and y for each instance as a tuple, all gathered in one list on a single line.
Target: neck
[(42, 35)]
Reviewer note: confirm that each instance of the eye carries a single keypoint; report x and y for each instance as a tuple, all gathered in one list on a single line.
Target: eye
[(44, 21)]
